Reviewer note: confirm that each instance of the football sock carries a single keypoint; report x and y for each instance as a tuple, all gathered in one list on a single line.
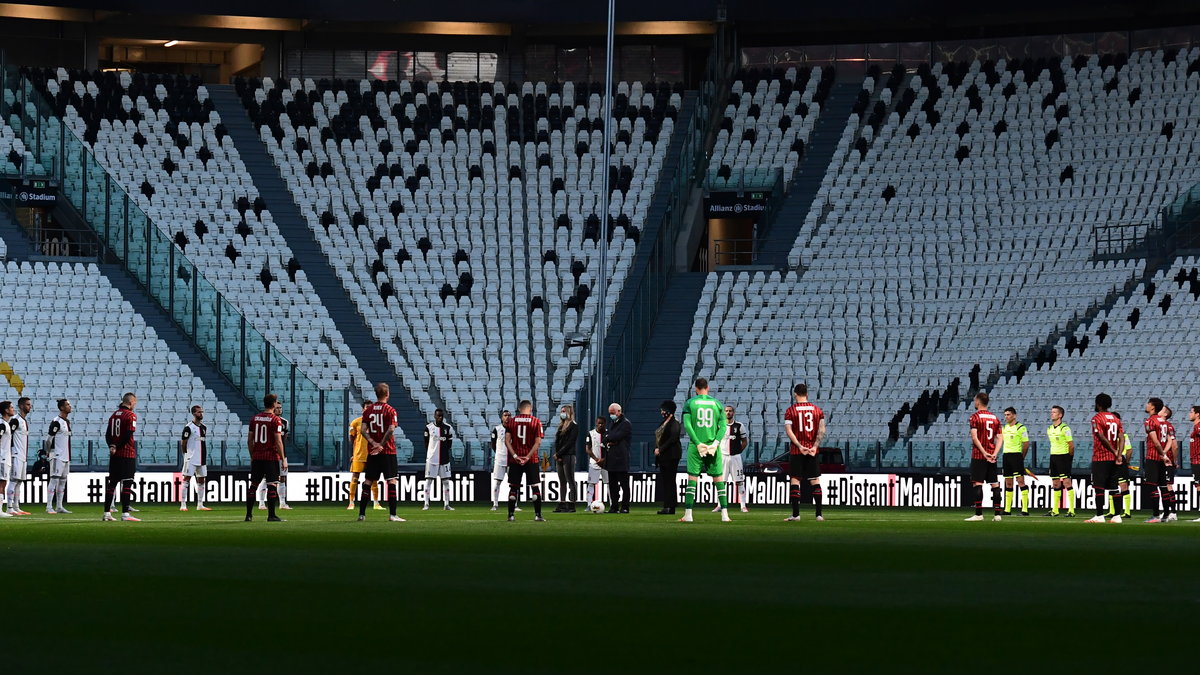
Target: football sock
[(742, 493), (283, 494), (262, 492), (1112, 504), (1168, 498), (689, 495), (183, 491), (722, 496), (391, 497), (272, 499), (979, 500), (249, 499), (13, 495), (1100, 511), (353, 489), (537, 501), (794, 497), (495, 491), (126, 495), (818, 493), (201, 488), (446, 491), (428, 489), (512, 500), (1054, 505), (1071, 499), (109, 486), (1150, 496), (62, 493), (1008, 499), (375, 493), (996, 499), (1025, 498), (363, 498), (1128, 501)]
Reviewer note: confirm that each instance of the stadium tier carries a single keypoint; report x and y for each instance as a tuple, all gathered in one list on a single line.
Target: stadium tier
[(162, 141), (464, 219), (956, 230), (66, 329)]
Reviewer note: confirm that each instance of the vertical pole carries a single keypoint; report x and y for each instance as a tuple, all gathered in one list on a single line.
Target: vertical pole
[(602, 280)]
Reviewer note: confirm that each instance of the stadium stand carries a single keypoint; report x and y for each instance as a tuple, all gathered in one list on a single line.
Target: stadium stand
[(766, 125), (56, 350), (1147, 332), (462, 218), (952, 230), (163, 142)]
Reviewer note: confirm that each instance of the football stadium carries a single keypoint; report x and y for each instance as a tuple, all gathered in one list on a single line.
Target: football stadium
[(541, 335)]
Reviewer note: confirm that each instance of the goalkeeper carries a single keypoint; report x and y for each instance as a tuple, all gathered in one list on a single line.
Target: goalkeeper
[(704, 422)]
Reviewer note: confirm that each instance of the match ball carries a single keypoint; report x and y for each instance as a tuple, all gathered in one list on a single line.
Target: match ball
[(596, 507)]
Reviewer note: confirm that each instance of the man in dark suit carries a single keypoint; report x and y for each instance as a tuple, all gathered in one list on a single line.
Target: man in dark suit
[(616, 458), (667, 452)]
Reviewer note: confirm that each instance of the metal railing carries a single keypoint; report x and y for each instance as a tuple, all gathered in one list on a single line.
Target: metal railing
[(219, 331), (1176, 226)]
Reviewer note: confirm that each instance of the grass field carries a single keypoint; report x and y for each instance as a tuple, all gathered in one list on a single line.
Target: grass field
[(452, 592)]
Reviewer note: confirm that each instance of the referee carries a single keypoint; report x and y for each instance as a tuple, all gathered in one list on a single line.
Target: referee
[(1016, 445), (1062, 456)]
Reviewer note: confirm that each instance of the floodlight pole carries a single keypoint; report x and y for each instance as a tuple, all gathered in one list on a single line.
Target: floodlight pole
[(602, 279)]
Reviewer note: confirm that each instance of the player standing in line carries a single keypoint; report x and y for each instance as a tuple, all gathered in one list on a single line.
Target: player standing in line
[(805, 426), (1156, 460), (735, 442), (358, 462), (985, 432), (1172, 462), (1016, 446), (1122, 473), (283, 470), (701, 422), (379, 418), (523, 437), (122, 457), (500, 460), (193, 441), (18, 470), (59, 441), (593, 445), (1194, 447), (439, 437), (1106, 455), (1062, 454), (6, 413), (266, 457)]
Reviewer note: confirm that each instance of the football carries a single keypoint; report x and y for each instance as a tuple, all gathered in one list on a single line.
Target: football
[(596, 507)]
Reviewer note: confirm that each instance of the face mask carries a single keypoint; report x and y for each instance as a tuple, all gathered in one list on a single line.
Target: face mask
[(562, 416), (613, 417), (664, 413)]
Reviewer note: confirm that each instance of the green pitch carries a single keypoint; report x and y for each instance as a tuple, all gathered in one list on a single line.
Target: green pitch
[(452, 592)]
